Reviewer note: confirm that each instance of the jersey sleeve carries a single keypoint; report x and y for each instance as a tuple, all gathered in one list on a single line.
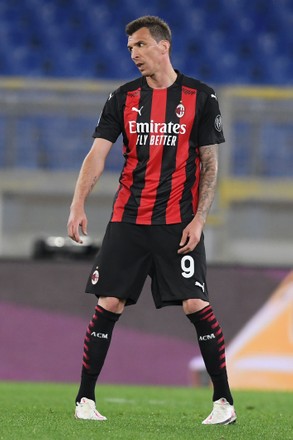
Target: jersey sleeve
[(109, 124), (210, 125)]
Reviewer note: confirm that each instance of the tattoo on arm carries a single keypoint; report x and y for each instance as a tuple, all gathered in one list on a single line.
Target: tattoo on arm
[(208, 179)]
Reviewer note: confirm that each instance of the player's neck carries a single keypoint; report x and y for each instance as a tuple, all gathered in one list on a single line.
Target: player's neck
[(162, 79)]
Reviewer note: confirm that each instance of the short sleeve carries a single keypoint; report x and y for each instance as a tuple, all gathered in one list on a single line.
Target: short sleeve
[(210, 125), (109, 125)]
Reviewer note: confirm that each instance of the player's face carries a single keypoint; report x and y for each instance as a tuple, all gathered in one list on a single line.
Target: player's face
[(146, 52)]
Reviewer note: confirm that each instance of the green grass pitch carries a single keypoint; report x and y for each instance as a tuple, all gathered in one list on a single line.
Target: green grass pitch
[(45, 412)]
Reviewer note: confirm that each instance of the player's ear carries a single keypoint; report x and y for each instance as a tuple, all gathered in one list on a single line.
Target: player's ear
[(165, 46)]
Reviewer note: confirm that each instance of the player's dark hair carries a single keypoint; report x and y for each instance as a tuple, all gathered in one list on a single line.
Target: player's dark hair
[(158, 28)]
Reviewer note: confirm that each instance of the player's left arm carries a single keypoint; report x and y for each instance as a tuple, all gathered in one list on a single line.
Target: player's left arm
[(207, 187)]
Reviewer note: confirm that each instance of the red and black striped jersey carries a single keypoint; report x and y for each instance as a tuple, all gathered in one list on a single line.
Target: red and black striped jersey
[(162, 131)]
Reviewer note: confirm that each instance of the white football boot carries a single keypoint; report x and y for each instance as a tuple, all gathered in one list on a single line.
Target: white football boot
[(86, 410), (222, 414)]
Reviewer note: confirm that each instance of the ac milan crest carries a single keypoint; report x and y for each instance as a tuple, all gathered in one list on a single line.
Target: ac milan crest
[(95, 277), (180, 110)]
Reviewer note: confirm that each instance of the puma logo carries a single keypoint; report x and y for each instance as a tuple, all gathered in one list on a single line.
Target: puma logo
[(138, 110), (197, 283)]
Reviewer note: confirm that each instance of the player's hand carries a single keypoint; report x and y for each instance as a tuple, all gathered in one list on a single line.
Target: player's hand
[(191, 235), (77, 221)]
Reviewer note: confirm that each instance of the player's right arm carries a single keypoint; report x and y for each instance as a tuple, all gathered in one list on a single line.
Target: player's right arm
[(90, 172)]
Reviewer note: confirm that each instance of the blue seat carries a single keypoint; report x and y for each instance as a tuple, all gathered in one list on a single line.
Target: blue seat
[(231, 44), (237, 35)]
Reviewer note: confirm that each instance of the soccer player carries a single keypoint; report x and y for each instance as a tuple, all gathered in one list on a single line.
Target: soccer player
[(171, 127)]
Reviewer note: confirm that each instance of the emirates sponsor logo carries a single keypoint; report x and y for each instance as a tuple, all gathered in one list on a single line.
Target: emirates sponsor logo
[(156, 133), (156, 128)]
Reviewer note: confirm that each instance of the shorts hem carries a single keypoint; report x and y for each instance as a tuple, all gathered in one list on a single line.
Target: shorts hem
[(129, 301)]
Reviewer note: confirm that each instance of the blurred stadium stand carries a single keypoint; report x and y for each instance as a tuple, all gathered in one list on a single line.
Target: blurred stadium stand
[(59, 59), (221, 41)]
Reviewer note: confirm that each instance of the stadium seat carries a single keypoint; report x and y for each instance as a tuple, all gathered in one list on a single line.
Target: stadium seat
[(204, 35), (230, 44)]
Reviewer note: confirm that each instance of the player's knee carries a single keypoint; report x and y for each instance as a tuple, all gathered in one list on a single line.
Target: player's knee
[(193, 305), (114, 305)]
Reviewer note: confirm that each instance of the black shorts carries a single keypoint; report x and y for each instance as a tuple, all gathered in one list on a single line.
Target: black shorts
[(130, 252)]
